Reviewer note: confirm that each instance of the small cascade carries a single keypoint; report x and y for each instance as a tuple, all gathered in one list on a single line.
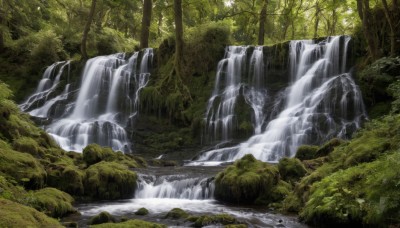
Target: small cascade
[(221, 105), (322, 101), (46, 89), (106, 101), (174, 186)]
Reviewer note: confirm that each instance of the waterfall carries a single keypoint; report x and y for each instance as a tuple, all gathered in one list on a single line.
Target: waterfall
[(322, 101), (174, 186), (105, 102)]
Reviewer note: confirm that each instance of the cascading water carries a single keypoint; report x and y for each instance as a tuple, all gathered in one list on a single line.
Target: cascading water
[(174, 186), (321, 102), (106, 102), (39, 103)]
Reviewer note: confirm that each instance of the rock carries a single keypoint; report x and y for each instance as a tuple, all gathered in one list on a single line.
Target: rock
[(103, 217), (142, 211)]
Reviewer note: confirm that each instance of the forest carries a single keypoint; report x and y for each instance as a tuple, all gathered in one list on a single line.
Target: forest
[(199, 113)]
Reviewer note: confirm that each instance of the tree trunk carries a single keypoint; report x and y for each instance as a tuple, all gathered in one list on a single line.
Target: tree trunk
[(86, 30), (178, 37), (317, 11), (146, 19), (364, 12), (160, 20), (392, 30), (263, 18)]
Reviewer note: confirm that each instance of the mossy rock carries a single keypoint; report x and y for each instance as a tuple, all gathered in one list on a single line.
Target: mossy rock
[(291, 169), (207, 220), (177, 213), (306, 152), (24, 168), (27, 145), (67, 178), (236, 226), (133, 223), (109, 180), (291, 203), (103, 217), (16, 215), (328, 147), (162, 163), (245, 180), (94, 153), (142, 211), (52, 202)]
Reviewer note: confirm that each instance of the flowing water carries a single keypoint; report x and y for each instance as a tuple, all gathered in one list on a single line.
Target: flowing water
[(189, 188), (106, 101), (321, 102)]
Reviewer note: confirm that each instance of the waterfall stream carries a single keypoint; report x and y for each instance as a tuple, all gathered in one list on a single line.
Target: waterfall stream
[(321, 102), (105, 103)]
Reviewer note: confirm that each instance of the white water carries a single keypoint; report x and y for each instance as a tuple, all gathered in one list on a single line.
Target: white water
[(322, 102), (107, 100)]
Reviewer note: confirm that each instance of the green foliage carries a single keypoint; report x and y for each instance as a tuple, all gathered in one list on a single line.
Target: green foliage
[(142, 211), (364, 194), (306, 152), (375, 79), (133, 223), (328, 147), (103, 217), (52, 202), (16, 215), (245, 180), (291, 169), (109, 180), (110, 41), (177, 213), (394, 91), (94, 153)]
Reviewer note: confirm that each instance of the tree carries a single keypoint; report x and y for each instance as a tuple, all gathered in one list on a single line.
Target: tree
[(86, 30), (146, 19), (263, 18), (178, 37), (368, 28), (391, 22)]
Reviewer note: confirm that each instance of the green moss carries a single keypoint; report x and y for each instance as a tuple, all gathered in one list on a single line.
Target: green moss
[(109, 180), (291, 169), (27, 145), (133, 223), (306, 152), (94, 153), (67, 178), (16, 215), (52, 202), (177, 213), (24, 168), (103, 217), (291, 203), (328, 147), (236, 226), (207, 220), (245, 180), (142, 211)]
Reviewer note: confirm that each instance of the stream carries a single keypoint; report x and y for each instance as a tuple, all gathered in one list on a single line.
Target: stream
[(190, 188)]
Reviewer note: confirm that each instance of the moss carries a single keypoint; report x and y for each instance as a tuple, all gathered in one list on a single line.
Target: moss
[(133, 223), (103, 217), (328, 147), (291, 203), (291, 169), (27, 145), (245, 180), (177, 213), (306, 152), (207, 220), (109, 180), (94, 153), (236, 226), (67, 178), (52, 202), (16, 215), (162, 163), (24, 168), (142, 211)]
